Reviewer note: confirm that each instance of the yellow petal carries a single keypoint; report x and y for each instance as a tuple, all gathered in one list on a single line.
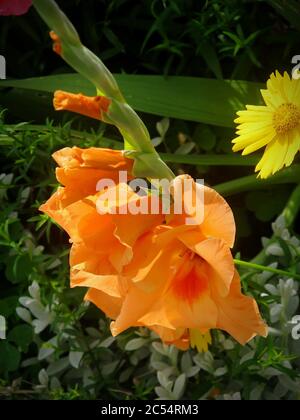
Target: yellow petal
[(199, 340)]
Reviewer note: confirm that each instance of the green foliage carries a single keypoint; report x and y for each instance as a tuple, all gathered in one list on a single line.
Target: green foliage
[(159, 96), (289, 10), (216, 38), (63, 347), (10, 357)]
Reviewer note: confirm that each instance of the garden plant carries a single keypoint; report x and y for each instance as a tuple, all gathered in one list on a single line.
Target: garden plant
[(150, 199)]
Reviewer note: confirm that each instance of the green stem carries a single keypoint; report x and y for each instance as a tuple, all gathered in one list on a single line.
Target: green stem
[(147, 161), (290, 175), (269, 269), (207, 160), (74, 53), (292, 208)]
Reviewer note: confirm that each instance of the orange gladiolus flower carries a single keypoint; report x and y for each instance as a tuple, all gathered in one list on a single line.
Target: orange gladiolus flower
[(181, 282), (102, 243), (150, 270), (142, 269), (90, 106)]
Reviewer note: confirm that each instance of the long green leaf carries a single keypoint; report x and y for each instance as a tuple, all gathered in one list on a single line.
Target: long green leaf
[(195, 99)]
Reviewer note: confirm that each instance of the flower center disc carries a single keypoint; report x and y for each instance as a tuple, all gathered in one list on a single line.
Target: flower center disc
[(286, 118)]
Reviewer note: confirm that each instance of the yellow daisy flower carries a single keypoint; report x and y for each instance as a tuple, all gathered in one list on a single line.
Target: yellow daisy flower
[(275, 125)]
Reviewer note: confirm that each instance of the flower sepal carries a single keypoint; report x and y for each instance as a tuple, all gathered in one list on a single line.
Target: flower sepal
[(148, 165)]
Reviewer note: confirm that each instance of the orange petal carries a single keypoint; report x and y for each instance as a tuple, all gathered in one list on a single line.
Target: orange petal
[(81, 258), (218, 217), (132, 226), (218, 220), (106, 284), (217, 254), (97, 233), (70, 157), (90, 106), (110, 305), (81, 182), (106, 159), (68, 217), (239, 314), (81, 169), (154, 265), (135, 304), (178, 337), (151, 283), (92, 157), (171, 311)]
